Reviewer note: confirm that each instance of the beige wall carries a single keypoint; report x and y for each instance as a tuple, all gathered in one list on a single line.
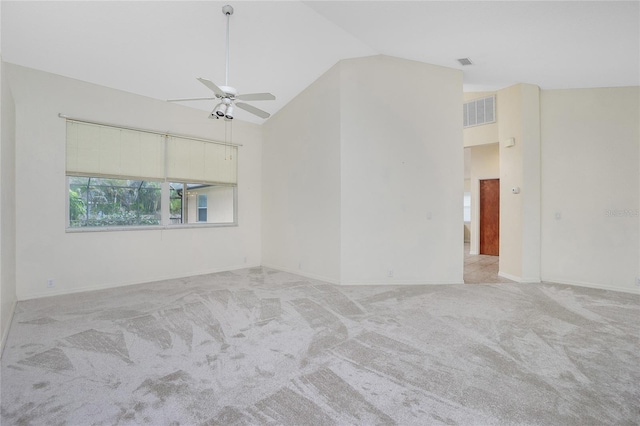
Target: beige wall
[(485, 133), (590, 152), (7, 209), (519, 112), (485, 164), (531, 183), (510, 110), (90, 260)]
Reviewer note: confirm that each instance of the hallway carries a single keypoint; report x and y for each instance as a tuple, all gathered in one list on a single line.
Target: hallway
[(481, 269)]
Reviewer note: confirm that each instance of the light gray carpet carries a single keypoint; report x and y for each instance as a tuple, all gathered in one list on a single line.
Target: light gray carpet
[(258, 346)]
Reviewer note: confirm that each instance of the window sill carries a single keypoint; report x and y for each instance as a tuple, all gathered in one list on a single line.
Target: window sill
[(147, 228)]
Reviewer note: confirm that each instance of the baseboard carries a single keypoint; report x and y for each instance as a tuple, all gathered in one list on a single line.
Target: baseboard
[(591, 285), (519, 279), (473, 252), (30, 296), (338, 282), (5, 333), (510, 277), (401, 282), (302, 273)]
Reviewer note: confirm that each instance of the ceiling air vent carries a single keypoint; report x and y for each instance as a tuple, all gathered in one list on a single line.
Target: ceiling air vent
[(465, 61)]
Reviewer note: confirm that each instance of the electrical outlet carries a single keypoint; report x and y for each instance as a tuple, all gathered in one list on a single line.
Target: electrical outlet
[(50, 283), (245, 259), (638, 282), (390, 273)]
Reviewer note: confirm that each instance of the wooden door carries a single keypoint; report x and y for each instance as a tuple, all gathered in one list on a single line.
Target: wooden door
[(490, 217)]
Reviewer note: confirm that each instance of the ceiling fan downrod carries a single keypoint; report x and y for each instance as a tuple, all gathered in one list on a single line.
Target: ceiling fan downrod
[(227, 11)]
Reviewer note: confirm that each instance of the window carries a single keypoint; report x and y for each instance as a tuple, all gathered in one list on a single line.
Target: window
[(95, 201), (122, 177), (467, 206), (202, 207), (202, 203)]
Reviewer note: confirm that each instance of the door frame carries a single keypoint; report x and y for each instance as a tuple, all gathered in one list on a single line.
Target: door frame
[(474, 244)]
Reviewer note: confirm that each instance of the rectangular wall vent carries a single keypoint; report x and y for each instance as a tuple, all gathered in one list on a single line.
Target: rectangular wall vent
[(479, 111)]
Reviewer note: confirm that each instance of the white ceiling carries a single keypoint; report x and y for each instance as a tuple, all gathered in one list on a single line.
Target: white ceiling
[(158, 48)]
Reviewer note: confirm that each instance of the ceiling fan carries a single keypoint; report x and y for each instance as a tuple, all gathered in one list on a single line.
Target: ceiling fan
[(228, 96)]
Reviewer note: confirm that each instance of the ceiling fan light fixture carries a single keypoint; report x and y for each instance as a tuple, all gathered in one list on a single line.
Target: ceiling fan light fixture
[(229, 113), (220, 110)]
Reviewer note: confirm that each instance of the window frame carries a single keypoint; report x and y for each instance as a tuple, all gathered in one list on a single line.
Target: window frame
[(164, 225)]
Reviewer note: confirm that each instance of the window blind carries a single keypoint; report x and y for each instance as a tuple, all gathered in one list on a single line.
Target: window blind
[(196, 161), (97, 150), (109, 151)]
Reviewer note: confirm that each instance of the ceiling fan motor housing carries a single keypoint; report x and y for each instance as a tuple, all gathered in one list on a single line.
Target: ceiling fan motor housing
[(229, 91)]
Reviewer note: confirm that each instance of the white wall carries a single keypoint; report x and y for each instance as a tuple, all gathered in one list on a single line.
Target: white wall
[(7, 209), (349, 184), (301, 182), (485, 164), (402, 172), (91, 260), (590, 144)]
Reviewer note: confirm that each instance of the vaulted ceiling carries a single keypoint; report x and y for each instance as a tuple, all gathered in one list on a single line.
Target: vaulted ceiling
[(158, 48)]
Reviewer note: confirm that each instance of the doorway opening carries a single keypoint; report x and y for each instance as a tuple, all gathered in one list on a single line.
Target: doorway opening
[(482, 215)]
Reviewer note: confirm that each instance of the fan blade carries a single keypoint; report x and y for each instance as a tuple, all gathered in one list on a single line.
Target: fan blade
[(256, 97), (190, 99), (253, 110), (212, 86)]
